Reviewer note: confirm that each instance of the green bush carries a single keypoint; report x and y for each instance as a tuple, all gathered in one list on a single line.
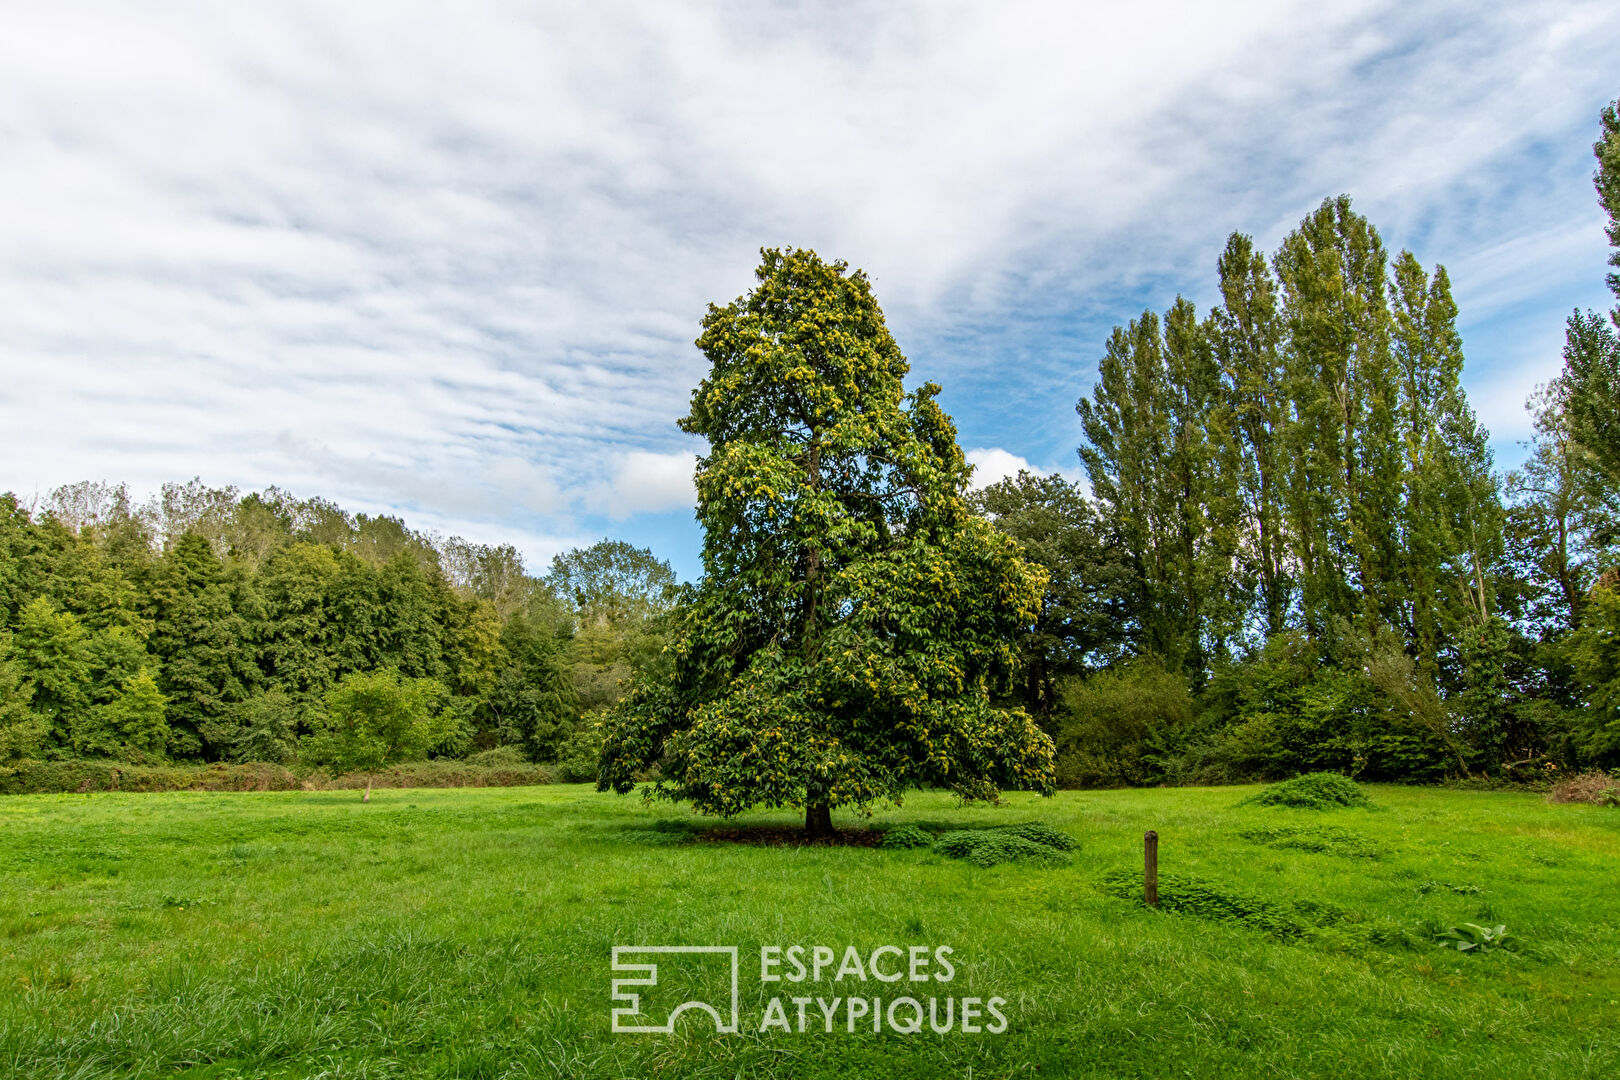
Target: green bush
[(579, 756), (1038, 832), (906, 836), (1313, 791), (1031, 842), (1113, 726), (497, 756)]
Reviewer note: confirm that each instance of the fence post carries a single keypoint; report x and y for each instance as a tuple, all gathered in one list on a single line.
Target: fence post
[(1150, 868)]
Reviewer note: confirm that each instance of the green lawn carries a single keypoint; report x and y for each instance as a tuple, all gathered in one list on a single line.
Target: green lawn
[(468, 933)]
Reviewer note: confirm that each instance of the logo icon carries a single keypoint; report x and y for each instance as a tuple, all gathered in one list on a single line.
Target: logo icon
[(627, 1015)]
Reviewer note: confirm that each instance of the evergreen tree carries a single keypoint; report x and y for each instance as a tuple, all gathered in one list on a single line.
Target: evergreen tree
[(533, 701), (1590, 386), (1607, 181), (299, 632), (262, 728), (203, 639)]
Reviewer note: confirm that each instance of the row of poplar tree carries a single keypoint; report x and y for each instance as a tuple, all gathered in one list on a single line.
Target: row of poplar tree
[(209, 625), (1296, 552)]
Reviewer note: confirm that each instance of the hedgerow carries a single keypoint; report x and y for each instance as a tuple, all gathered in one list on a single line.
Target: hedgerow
[(55, 777)]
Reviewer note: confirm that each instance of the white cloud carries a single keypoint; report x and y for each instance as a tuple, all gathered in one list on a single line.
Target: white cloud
[(451, 261), (993, 464), (646, 482)]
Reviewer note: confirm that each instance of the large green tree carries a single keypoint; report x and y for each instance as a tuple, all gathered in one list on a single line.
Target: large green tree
[(854, 614), (1087, 600)]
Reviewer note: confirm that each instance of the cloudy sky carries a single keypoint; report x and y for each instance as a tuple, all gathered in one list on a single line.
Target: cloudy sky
[(447, 261)]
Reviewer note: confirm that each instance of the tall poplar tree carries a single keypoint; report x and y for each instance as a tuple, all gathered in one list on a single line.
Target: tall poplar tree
[(1345, 482), (1247, 335), (1129, 440), (1451, 524)]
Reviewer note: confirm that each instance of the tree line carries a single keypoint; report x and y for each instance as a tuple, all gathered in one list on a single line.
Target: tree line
[(1295, 552), (210, 625)]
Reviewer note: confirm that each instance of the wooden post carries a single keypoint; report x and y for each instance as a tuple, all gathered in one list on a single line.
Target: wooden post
[(1150, 868)]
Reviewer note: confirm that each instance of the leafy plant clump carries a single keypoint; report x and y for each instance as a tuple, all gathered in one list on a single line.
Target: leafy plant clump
[(1589, 787), (1471, 937), (907, 836), (1190, 895), (1312, 791), (1029, 842), (1324, 839)]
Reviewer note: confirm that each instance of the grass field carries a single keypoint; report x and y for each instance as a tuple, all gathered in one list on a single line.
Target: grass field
[(467, 933)]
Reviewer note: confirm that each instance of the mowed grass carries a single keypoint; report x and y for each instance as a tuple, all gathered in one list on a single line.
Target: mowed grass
[(467, 933)]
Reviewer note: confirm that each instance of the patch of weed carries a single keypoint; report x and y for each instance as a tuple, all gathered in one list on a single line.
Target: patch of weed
[(906, 836), (1324, 839), (1312, 791), (1030, 842)]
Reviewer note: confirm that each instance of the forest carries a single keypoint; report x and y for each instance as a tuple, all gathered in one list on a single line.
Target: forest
[(207, 625), (1293, 551)]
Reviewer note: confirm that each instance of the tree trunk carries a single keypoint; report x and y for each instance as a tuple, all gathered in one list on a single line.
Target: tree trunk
[(818, 821), (367, 797)]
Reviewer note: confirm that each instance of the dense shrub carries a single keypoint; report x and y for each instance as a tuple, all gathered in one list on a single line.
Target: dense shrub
[(1292, 709), (1114, 726), (1313, 791), (1031, 843), (906, 836), (1038, 832), (579, 756), (1591, 787), (498, 756)]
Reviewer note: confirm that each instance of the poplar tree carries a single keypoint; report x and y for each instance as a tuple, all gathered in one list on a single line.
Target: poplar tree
[(1345, 476), (1451, 525), (854, 615), (1247, 335), (1127, 425)]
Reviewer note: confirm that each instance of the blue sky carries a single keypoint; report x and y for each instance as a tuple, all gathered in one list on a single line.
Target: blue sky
[(448, 262)]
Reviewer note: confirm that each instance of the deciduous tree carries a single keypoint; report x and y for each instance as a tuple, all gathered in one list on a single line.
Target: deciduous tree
[(854, 614)]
